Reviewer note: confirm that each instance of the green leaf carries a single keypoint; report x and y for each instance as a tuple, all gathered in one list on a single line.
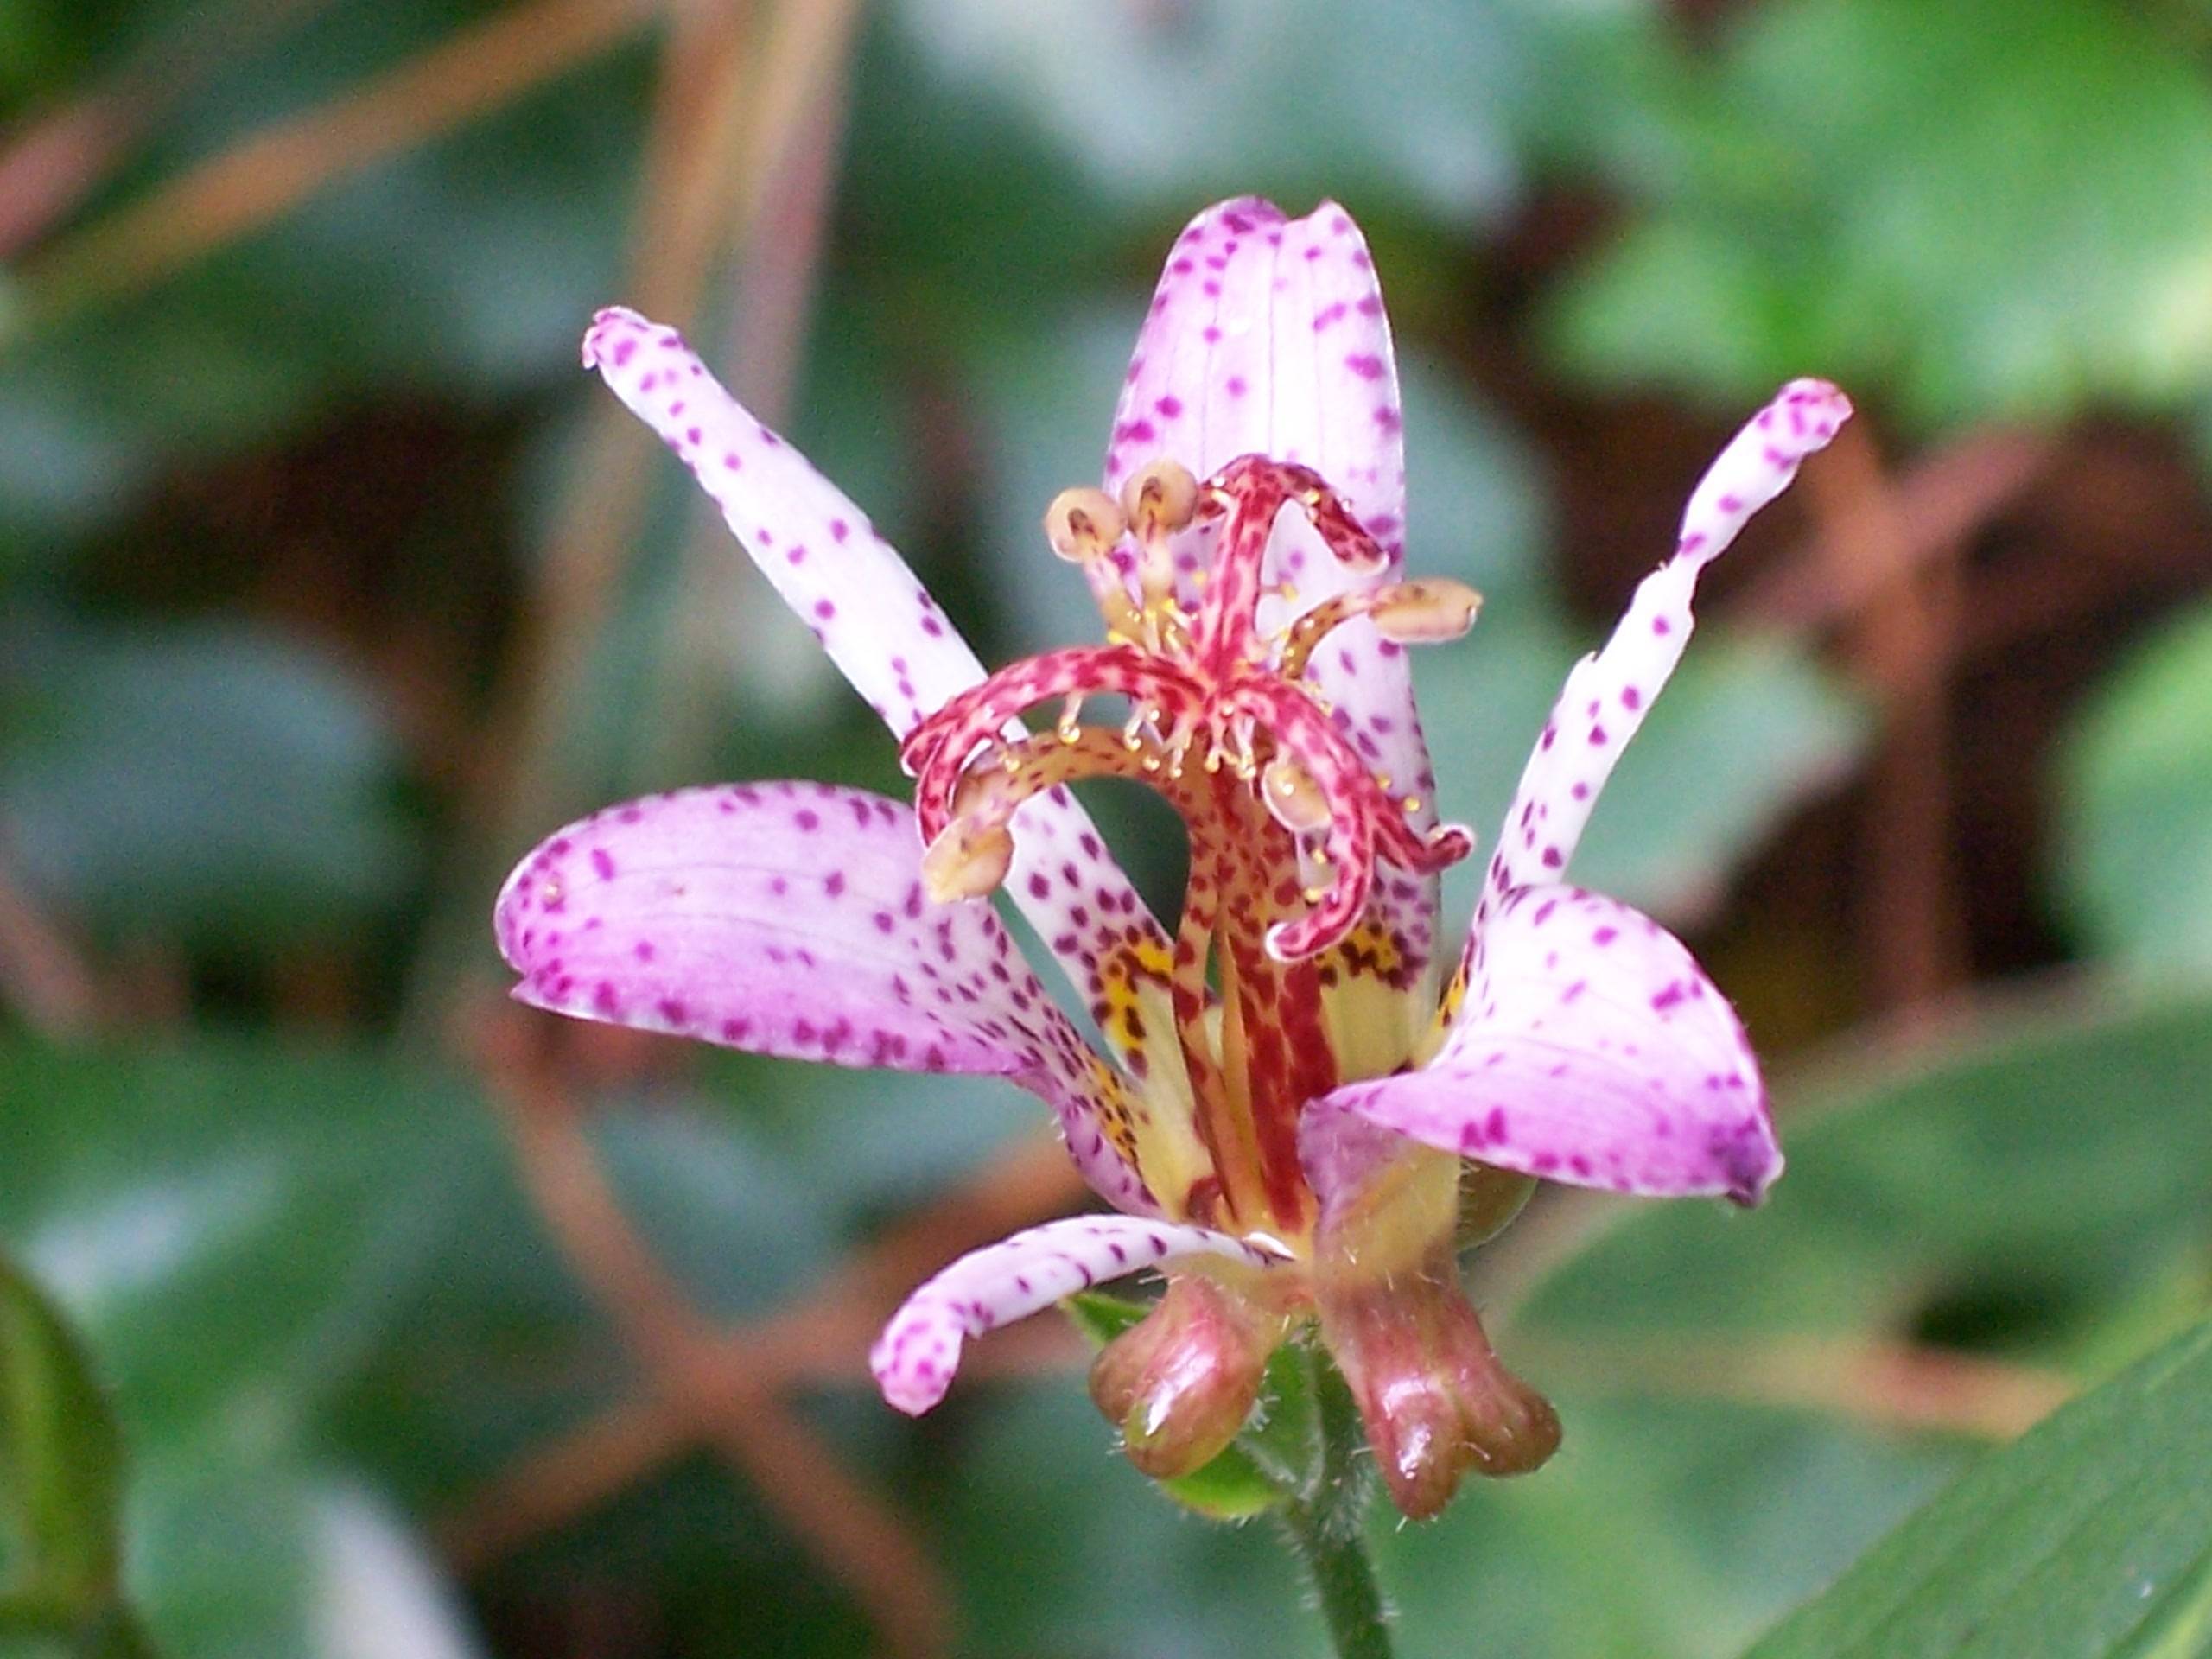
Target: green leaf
[(1419, 98), (61, 1461), (2135, 797), (211, 782), (1747, 730), (2009, 1188), (2090, 1535), (1864, 217)]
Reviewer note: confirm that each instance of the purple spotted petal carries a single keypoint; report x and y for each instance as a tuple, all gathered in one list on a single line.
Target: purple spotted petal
[(915, 1358), (1268, 335), (1592, 1050), (873, 618), (1608, 693), (789, 919)]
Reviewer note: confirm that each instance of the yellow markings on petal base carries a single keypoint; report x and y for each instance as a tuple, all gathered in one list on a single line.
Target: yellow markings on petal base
[(1123, 973), (1120, 1111), (1135, 1011), (1373, 1001)]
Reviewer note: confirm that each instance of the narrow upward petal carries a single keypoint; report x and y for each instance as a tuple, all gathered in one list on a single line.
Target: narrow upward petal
[(915, 1358), (788, 920), (1267, 336), (872, 615), (1608, 693), (1592, 1050)]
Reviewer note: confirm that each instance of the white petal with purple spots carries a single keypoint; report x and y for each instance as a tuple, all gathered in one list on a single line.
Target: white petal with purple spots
[(1592, 1050), (915, 1358), (872, 615), (789, 919), (1268, 335), (1609, 692)]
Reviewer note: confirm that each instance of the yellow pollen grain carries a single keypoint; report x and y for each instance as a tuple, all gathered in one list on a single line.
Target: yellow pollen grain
[(1412, 803)]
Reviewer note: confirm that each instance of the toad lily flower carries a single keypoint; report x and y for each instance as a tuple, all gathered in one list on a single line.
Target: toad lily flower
[(1288, 1114)]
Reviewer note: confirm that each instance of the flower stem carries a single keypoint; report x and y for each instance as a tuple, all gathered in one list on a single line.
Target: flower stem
[(1326, 1522)]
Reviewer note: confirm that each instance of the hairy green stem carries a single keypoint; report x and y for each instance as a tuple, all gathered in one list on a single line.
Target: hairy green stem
[(1326, 1522)]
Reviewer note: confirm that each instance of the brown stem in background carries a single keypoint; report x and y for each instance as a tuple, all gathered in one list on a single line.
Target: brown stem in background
[(1888, 1384), (736, 99), (734, 1408), (1899, 645), (53, 162), (822, 1342), (267, 175), (724, 597), (1941, 504), (42, 972)]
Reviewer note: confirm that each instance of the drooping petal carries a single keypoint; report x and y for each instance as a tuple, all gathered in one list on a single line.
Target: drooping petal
[(789, 919), (915, 1358), (1608, 693), (1592, 1050), (872, 615), (1268, 335)]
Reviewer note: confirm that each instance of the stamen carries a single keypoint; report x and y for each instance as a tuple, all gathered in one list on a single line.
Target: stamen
[(1424, 611), (1160, 499), (1294, 798), (966, 861), (1083, 526)]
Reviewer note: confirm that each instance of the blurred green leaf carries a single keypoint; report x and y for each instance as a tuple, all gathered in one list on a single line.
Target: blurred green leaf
[(465, 267), (1169, 101), (60, 1472), (236, 1556), (2006, 1190), (233, 1224), (2091, 1536), (2135, 798), (212, 782), (1988, 209), (1747, 730)]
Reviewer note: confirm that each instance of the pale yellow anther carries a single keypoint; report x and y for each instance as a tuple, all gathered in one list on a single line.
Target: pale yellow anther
[(1083, 524), (1425, 610), (966, 862), (1159, 499), (1293, 796)]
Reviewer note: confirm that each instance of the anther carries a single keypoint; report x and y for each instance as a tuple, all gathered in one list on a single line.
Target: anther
[(1294, 798), (1159, 499), (1083, 524), (1425, 611), (966, 861)]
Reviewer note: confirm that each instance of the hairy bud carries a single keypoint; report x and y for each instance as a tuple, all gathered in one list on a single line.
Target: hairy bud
[(1181, 1383)]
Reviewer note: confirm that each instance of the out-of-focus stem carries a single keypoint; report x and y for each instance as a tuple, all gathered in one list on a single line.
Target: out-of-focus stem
[(1326, 1523), (258, 180)]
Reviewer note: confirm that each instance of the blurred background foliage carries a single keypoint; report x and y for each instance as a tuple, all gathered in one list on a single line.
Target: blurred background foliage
[(349, 1313)]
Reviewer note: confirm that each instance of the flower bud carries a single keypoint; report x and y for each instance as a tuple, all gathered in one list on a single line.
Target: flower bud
[(1181, 1382), (1435, 1400)]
